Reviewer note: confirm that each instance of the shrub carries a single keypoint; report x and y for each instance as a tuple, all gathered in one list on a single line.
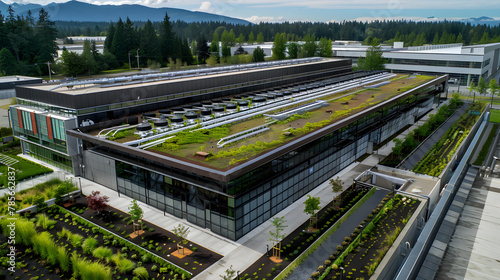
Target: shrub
[(103, 253), (141, 272), (63, 258), (124, 265), (75, 239), (43, 221), (89, 245)]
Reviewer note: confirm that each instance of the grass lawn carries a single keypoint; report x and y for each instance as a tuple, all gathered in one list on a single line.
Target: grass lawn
[(24, 168), (495, 116)]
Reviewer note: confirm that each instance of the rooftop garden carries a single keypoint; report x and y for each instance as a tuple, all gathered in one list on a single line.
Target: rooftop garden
[(188, 143)]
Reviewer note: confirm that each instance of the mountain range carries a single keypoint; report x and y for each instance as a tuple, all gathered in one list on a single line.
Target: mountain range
[(80, 11)]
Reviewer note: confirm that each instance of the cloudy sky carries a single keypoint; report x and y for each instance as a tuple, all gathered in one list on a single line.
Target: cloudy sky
[(319, 10)]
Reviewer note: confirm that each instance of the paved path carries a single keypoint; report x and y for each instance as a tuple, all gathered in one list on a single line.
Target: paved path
[(329, 246), (411, 161)]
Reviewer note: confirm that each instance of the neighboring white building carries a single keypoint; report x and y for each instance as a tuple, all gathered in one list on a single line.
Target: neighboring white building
[(98, 39), (464, 64), (77, 48)]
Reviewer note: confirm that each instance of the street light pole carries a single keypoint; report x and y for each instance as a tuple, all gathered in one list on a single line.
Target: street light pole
[(50, 74), (138, 65), (129, 66), (341, 273)]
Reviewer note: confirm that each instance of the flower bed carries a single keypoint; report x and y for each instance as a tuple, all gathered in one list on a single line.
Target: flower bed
[(299, 240), (436, 159), (60, 245), (154, 239), (360, 254)]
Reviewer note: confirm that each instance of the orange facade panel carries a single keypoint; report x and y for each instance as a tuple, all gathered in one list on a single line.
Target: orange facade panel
[(20, 118), (33, 122), (49, 128)]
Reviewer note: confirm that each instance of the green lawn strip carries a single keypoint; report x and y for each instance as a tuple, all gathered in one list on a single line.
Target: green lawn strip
[(25, 169), (495, 116), (128, 244), (300, 259), (486, 147)]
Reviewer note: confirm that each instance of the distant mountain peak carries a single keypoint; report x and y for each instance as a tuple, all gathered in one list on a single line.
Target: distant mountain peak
[(74, 10)]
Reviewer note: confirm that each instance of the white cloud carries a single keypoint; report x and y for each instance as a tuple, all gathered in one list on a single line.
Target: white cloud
[(206, 7), (258, 19)]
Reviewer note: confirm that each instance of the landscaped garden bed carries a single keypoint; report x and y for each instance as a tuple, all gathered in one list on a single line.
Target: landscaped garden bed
[(55, 244), (154, 239), (54, 188), (360, 254), (301, 239), (405, 147), (436, 159)]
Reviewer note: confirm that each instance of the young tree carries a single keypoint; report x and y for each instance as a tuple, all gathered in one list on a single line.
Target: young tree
[(373, 59), (241, 39), (240, 50), (251, 38), (258, 55), (279, 46), (337, 186), (260, 38), (97, 202), (277, 235), (182, 232), (493, 88), (135, 212), (309, 48), (230, 273), (325, 47), (311, 208), (482, 86), (293, 50)]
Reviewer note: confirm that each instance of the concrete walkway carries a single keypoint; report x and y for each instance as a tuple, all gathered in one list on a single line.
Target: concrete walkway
[(329, 246)]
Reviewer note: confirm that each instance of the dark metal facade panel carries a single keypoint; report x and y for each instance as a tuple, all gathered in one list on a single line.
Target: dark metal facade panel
[(149, 90)]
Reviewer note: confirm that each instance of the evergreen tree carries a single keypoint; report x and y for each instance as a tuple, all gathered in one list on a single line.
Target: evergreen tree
[(435, 41), (118, 47), (7, 63), (187, 55), (88, 58), (258, 55), (150, 47), (203, 50), (167, 39), (110, 32), (241, 39), (129, 36), (46, 35), (226, 44)]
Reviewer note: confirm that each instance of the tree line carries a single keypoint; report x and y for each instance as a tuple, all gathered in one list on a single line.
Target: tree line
[(412, 33), (27, 43)]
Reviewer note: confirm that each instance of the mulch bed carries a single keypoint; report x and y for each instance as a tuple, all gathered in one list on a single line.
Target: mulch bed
[(34, 267), (299, 240), (118, 222)]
